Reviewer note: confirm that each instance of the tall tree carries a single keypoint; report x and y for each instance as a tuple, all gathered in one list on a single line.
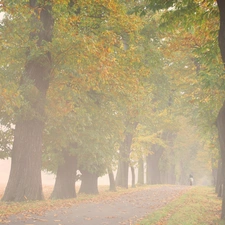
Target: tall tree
[(65, 178), (25, 175), (221, 115)]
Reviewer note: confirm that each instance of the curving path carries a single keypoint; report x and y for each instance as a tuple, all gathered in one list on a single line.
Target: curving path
[(125, 210)]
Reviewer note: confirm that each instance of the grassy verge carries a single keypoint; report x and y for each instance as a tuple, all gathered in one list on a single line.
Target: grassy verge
[(198, 206)]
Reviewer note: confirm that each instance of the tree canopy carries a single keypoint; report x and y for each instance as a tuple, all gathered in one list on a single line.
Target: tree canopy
[(101, 85)]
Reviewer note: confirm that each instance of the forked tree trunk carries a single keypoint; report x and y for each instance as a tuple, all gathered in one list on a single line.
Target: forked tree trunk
[(65, 178), (89, 183), (25, 175)]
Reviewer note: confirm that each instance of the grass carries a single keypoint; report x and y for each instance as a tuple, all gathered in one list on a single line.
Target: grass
[(198, 206)]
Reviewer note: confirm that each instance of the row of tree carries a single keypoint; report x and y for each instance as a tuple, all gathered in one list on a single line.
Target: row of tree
[(99, 86)]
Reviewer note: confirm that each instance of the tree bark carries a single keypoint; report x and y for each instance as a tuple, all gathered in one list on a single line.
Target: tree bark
[(25, 175), (219, 185), (172, 175), (214, 171), (168, 175), (89, 183), (183, 177), (65, 178), (153, 172), (221, 131), (141, 172), (133, 176), (123, 166), (221, 36), (122, 172), (112, 183), (220, 118)]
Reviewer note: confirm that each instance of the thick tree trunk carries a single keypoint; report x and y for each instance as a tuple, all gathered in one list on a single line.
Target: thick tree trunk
[(89, 183), (141, 171), (122, 173), (152, 160), (112, 183), (65, 178), (25, 176)]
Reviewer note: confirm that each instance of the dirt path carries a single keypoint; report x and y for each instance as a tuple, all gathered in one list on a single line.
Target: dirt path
[(125, 210)]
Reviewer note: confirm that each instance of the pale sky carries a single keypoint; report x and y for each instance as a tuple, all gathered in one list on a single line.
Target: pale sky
[(47, 179)]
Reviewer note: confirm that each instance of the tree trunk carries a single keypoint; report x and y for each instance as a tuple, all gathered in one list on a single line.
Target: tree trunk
[(123, 166), (221, 131), (214, 171), (153, 172), (122, 172), (25, 175), (219, 185), (221, 36), (172, 175), (219, 178), (141, 171), (112, 183), (133, 176), (65, 178), (168, 175), (89, 183), (183, 179), (221, 119)]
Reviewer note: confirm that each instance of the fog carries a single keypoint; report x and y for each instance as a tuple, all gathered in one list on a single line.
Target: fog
[(47, 178)]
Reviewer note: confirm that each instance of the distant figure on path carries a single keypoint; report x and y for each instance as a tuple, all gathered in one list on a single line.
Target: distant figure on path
[(191, 179)]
